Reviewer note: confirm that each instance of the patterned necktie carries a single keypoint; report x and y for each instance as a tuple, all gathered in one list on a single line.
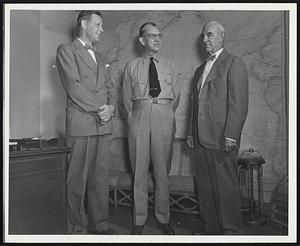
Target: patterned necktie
[(154, 89), (90, 47)]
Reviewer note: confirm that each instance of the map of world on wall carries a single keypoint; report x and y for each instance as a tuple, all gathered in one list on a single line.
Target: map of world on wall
[(255, 36)]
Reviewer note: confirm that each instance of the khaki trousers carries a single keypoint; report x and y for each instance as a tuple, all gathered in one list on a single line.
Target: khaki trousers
[(87, 183), (151, 135)]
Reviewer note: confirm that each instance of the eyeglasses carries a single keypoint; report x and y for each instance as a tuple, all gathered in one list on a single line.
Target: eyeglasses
[(153, 35)]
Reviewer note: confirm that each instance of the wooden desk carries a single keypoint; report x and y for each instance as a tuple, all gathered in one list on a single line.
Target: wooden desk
[(37, 191)]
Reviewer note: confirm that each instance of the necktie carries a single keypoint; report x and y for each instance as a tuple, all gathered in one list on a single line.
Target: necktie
[(154, 89), (90, 47), (211, 57)]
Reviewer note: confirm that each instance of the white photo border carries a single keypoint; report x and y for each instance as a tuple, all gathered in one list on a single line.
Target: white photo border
[(292, 127)]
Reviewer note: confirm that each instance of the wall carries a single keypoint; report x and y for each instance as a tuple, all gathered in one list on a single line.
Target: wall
[(24, 74), (55, 28), (37, 98), (257, 37)]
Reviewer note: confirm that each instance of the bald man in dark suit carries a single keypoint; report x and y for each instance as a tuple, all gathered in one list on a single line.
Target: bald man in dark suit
[(220, 106)]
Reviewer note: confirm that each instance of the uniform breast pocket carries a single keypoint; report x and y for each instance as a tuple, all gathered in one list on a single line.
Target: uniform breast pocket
[(165, 80), (139, 87)]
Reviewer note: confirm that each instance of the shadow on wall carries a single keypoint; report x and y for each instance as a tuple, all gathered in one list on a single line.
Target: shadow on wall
[(53, 102), (120, 155)]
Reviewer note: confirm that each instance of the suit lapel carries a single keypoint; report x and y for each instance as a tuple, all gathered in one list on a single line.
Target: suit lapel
[(85, 55), (217, 66), (99, 66), (212, 73)]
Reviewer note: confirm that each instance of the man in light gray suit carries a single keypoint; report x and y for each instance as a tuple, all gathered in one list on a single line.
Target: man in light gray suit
[(220, 106), (91, 104)]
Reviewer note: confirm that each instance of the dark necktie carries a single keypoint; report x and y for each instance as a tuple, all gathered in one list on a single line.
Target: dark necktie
[(90, 47), (154, 89)]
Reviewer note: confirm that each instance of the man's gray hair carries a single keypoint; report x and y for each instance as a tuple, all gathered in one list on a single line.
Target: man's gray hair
[(220, 26)]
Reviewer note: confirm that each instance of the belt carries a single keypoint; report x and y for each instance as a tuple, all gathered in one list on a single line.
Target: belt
[(153, 101)]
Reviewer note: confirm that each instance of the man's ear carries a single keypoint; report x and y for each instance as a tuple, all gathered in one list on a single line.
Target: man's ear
[(223, 35), (83, 24), (142, 41)]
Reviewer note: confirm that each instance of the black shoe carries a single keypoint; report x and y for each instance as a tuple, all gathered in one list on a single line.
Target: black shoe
[(167, 229), (105, 232), (137, 230)]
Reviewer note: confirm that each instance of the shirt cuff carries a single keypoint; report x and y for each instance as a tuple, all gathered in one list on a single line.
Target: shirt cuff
[(230, 139)]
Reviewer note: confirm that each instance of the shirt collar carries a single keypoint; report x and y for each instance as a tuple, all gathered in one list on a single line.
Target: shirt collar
[(155, 57), (83, 43)]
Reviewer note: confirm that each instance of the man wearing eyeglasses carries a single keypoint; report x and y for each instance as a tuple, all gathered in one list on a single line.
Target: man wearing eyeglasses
[(151, 95)]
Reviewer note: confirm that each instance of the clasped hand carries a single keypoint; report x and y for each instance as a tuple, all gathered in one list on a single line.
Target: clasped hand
[(105, 112)]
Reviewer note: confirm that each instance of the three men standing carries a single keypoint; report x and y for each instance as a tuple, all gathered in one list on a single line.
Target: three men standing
[(220, 106), (151, 91), (91, 104), (151, 95)]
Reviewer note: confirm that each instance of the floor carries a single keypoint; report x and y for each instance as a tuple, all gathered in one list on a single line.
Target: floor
[(185, 224)]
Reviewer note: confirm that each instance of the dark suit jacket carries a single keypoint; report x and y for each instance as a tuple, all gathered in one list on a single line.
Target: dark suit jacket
[(88, 87), (222, 108)]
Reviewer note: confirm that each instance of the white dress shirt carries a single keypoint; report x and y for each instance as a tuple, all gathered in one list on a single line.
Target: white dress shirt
[(92, 53), (208, 67)]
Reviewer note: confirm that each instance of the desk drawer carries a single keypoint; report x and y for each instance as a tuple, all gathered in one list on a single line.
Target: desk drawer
[(37, 194)]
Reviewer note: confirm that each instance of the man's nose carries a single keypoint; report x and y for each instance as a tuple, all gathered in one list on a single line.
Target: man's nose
[(101, 29), (204, 38)]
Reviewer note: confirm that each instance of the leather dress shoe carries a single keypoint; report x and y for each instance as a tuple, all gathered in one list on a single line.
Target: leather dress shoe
[(137, 230), (105, 232), (167, 229)]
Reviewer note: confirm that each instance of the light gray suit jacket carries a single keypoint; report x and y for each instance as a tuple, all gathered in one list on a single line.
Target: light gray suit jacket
[(88, 87), (221, 109)]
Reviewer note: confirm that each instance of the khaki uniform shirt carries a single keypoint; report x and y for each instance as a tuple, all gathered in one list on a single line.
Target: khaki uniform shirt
[(136, 80)]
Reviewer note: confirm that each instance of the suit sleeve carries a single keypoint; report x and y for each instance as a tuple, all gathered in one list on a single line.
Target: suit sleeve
[(193, 98), (127, 92), (237, 99), (70, 78)]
